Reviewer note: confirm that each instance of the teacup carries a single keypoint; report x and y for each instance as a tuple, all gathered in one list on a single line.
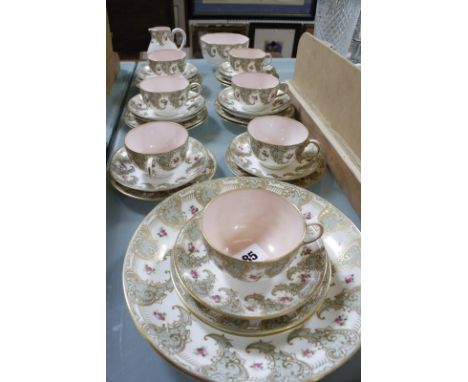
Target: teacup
[(215, 46), (248, 59), (256, 91), (279, 141), (157, 147), (167, 62), (168, 94), (253, 234)]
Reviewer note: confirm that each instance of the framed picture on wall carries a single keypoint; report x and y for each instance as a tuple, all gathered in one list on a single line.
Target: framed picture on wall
[(278, 39), (198, 30), (308, 28), (258, 9)]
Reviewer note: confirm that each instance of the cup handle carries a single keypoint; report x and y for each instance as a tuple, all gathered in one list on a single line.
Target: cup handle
[(184, 36), (317, 236), (307, 155), (267, 59), (146, 100), (283, 86), (196, 88), (150, 168)]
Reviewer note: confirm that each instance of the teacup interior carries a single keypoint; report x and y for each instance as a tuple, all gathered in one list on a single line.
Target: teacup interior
[(277, 130), (164, 84), (167, 55), (239, 219), (156, 137), (249, 53), (224, 38), (255, 80)]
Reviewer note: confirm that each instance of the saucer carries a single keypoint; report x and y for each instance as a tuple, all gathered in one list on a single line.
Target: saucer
[(207, 174), (251, 328), (227, 71), (227, 116), (187, 111), (304, 182), (243, 157), (322, 343), (259, 300), (124, 172), (132, 121), (223, 80), (227, 100), (146, 72)]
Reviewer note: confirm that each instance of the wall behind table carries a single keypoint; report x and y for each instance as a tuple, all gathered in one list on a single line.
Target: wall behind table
[(130, 19)]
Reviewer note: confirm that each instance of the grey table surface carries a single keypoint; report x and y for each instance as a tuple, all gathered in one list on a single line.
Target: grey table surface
[(129, 357)]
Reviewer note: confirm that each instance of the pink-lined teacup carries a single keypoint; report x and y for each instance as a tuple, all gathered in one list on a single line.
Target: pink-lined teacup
[(215, 46), (157, 148), (168, 62), (278, 141), (253, 234), (256, 91), (168, 94), (248, 59)]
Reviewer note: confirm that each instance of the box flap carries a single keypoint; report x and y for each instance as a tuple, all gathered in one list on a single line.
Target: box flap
[(331, 87)]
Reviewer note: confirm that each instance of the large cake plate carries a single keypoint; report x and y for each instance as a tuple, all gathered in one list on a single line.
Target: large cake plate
[(323, 343)]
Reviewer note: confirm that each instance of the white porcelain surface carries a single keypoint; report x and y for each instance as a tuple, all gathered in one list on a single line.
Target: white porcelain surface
[(193, 106), (215, 46), (227, 295), (251, 327), (306, 353), (128, 175), (228, 101), (167, 62), (227, 71), (162, 37), (252, 217), (243, 157), (278, 130)]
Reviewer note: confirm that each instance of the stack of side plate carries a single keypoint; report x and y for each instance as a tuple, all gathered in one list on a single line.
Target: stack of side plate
[(199, 166), (191, 115), (225, 72), (257, 308), (232, 110), (210, 345)]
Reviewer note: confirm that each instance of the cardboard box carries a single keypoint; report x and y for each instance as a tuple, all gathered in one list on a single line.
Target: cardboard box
[(326, 91)]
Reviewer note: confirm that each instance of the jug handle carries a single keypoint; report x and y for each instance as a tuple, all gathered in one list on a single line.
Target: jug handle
[(184, 37)]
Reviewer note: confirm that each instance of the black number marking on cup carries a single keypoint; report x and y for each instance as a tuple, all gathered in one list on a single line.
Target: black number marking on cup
[(250, 256)]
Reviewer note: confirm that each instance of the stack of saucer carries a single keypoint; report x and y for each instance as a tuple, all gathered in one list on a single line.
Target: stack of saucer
[(211, 322), (252, 95), (269, 281), (158, 159), (244, 60), (167, 98), (277, 148), (168, 62)]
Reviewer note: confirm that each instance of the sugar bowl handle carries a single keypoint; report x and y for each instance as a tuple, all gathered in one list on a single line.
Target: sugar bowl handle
[(182, 33)]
